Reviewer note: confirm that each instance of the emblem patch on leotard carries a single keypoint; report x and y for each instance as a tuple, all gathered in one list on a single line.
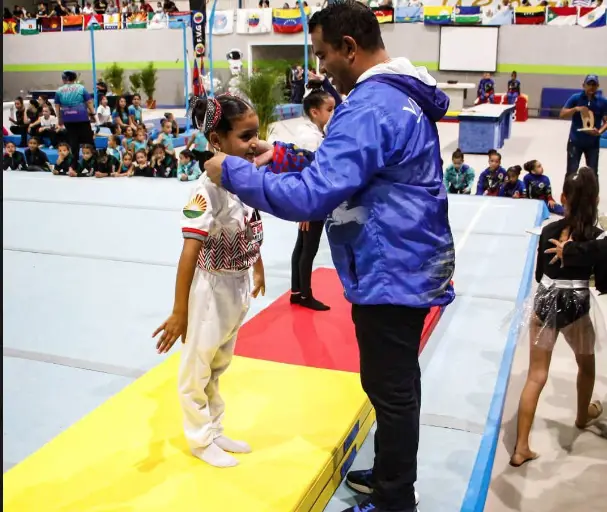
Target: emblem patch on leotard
[(196, 207)]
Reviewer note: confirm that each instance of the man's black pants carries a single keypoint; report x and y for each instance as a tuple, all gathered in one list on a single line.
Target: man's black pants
[(388, 339), (77, 134), (302, 259)]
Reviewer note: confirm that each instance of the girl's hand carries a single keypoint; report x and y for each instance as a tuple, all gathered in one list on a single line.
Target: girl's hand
[(184, 177), (259, 282), (551, 203), (304, 226), (264, 158), (174, 327)]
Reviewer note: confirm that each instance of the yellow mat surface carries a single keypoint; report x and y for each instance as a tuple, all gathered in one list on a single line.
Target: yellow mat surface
[(129, 455)]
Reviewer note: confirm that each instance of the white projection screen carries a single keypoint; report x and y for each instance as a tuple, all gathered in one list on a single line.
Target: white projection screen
[(468, 49)]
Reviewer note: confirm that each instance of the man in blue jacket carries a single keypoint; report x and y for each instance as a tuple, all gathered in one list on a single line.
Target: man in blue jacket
[(377, 179)]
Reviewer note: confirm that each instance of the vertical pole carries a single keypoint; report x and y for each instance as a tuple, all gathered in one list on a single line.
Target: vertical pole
[(185, 73), (95, 94), (210, 56), (304, 21)]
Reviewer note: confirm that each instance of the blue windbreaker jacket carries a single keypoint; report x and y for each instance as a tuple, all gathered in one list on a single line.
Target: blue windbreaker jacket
[(377, 179)]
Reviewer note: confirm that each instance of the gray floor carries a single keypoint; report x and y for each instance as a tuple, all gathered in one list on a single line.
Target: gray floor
[(89, 272)]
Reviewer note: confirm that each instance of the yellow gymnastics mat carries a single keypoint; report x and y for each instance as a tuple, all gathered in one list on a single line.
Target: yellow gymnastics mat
[(129, 455)]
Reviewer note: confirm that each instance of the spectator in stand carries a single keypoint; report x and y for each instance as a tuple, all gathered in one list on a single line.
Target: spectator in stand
[(129, 136), (20, 120), (104, 116), (141, 167), (43, 101), (66, 163), (188, 169), (169, 6), (60, 9), (100, 6), (126, 168), (164, 165), (88, 9), (42, 11), (264, 4), (159, 9), (13, 160), (145, 7), (75, 9), (165, 137), (46, 126), (7, 14), (18, 12), (120, 115), (35, 158), (174, 126), (111, 8), (136, 112), (297, 86), (126, 9), (101, 89)]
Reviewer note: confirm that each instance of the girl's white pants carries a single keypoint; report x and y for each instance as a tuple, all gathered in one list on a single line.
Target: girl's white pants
[(217, 307)]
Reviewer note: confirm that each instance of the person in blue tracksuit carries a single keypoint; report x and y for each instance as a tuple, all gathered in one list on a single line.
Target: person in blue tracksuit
[(377, 178), (486, 89), (514, 89), (538, 186), (491, 179), (512, 186)]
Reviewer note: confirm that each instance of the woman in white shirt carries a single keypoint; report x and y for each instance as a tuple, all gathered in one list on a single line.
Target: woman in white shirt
[(318, 106), (104, 116)]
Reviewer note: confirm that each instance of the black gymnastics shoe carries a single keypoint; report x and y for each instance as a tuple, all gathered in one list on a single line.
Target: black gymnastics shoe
[(313, 304)]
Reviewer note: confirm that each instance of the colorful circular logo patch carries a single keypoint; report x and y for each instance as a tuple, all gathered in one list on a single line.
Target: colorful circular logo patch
[(196, 207), (198, 17), (199, 49)]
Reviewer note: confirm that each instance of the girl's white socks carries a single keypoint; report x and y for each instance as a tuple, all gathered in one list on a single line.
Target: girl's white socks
[(215, 456), (229, 445)]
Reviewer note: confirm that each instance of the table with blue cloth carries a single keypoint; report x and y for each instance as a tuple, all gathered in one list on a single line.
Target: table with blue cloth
[(484, 127)]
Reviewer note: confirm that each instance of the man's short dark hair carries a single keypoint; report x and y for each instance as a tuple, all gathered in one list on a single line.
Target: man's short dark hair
[(348, 18)]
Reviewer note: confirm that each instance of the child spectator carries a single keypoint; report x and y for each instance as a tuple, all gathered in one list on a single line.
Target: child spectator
[(514, 89), (126, 168), (66, 163), (114, 149), (164, 165), (20, 120), (106, 164), (140, 142), (538, 186), (165, 137), (13, 160), (486, 89), (142, 167), (88, 163), (136, 112), (120, 115), (175, 130), (492, 177), (36, 159), (200, 143), (458, 176), (104, 116), (46, 127), (188, 170), (513, 187), (43, 101), (129, 136)]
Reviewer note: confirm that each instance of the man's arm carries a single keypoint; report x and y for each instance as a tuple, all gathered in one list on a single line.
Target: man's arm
[(345, 162), (570, 108)]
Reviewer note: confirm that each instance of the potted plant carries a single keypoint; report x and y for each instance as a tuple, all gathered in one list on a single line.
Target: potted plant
[(149, 77), (114, 77), (135, 79), (265, 91)]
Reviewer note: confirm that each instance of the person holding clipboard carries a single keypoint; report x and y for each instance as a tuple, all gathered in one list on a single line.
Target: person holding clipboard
[(588, 114)]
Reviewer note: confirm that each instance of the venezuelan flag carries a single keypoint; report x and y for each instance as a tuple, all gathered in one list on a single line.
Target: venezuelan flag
[(288, 21)]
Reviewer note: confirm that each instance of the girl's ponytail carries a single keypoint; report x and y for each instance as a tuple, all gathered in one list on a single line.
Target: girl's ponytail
[(581, 191)]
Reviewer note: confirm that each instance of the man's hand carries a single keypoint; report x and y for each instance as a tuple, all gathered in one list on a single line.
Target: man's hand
[(594, 132), (213, 168), (259, 282), (557, 250), (174, 327)]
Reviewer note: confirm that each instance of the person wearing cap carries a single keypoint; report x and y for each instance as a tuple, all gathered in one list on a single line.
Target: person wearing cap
[(587, 141), (75, 111)]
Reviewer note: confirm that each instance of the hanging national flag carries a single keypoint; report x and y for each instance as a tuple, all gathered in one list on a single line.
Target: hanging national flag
[(498, 18), (254, 21), (93, 21), (179, 19), (592, 17), (384, 14), (196, 79), (137, 20), (73, 22), (529, 15), (561, 16), (157, 20), (223, 23), (29, 27), (437, 15), (10, 26), (51, 24), (467, 15), (288, 21), (411, 14), (112, 21)]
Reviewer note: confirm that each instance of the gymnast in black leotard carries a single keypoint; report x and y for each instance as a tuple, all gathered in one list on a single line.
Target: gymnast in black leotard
[(562, 304)]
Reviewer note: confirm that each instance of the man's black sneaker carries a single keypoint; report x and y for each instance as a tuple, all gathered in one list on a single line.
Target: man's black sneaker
[(362, 481)]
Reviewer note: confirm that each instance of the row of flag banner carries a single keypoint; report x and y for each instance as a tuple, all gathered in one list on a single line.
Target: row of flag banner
[(289, 21)]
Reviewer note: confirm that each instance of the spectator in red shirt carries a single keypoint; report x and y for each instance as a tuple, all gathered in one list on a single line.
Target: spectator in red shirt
[(145, 7)]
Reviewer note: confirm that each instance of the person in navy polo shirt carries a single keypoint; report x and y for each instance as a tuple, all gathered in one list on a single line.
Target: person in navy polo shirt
[(585, 143)]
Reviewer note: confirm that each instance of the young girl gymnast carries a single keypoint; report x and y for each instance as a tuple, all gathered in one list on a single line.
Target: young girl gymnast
[(458, 176), (513, 187), (222, 239), (491, 179), (318, 106), (562, 305), (538, 186)]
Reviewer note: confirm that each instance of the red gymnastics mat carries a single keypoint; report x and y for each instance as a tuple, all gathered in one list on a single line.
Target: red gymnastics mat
[(290, 334)]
